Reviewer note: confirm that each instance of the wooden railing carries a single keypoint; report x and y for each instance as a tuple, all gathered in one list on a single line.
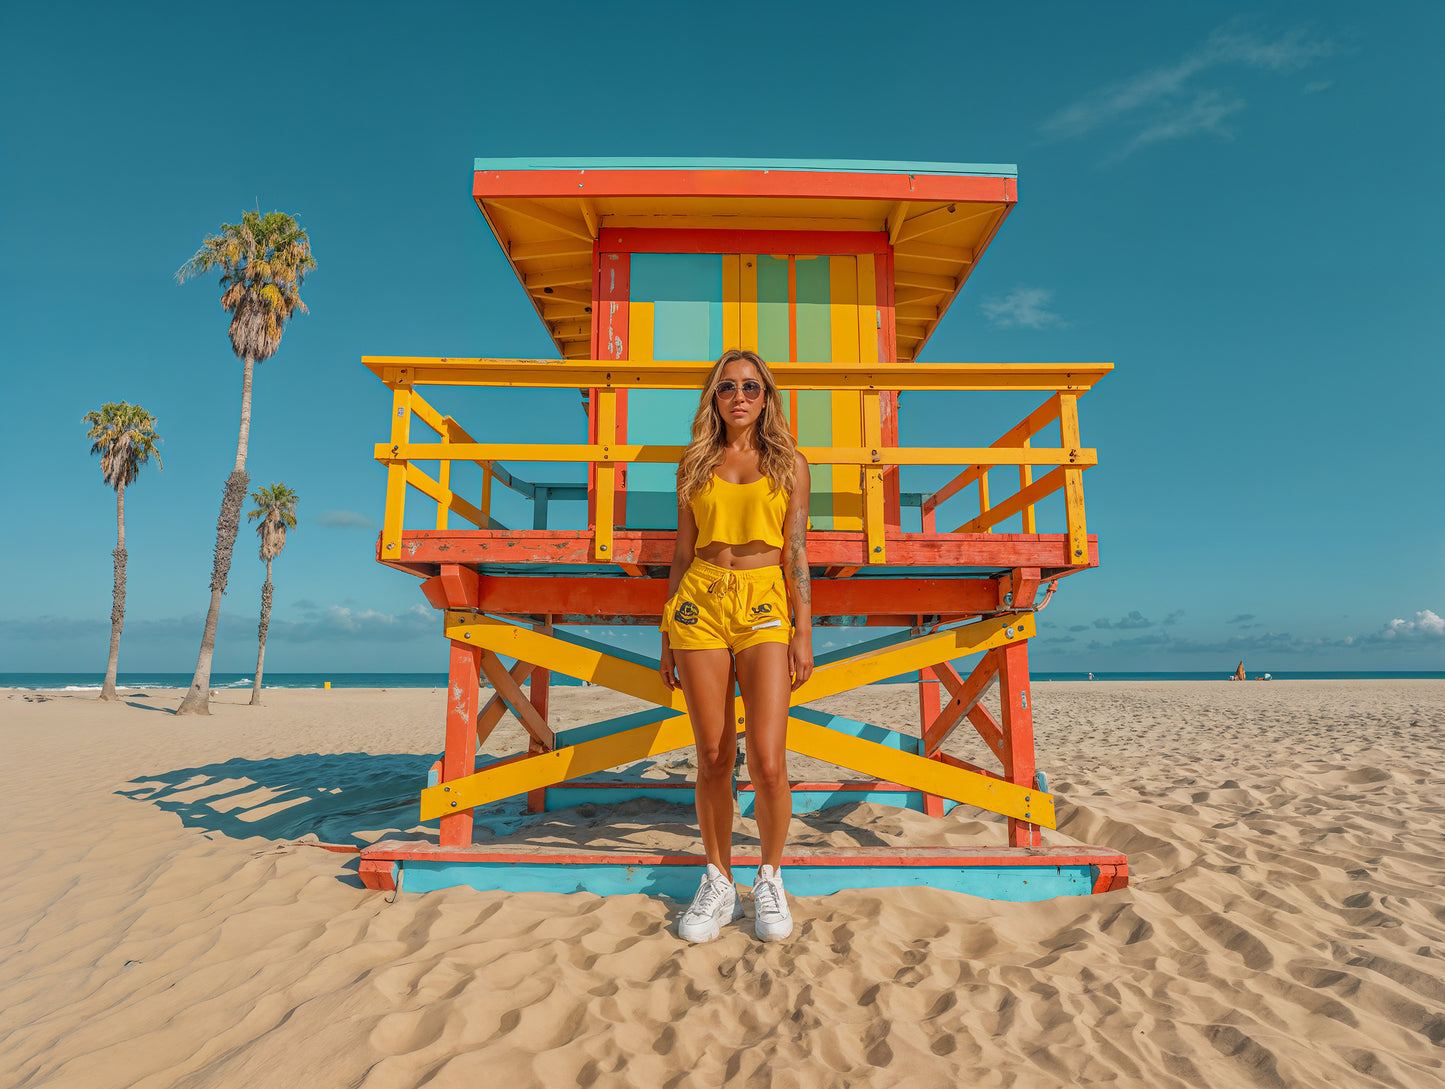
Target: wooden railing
[(1063, 382)]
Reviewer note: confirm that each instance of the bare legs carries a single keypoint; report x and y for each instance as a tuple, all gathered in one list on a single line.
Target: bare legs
[(707, 678)]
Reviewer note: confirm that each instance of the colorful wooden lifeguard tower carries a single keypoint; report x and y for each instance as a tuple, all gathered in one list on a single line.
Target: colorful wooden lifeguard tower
[(837, 273)]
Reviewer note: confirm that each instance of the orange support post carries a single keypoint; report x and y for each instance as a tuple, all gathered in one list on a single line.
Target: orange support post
[(928, 706), (460, 758), (1016, 702)]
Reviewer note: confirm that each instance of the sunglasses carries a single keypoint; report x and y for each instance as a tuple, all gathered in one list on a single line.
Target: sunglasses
[(751, 390)]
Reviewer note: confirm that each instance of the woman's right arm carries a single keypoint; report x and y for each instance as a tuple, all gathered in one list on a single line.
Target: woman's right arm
[(681, 560)]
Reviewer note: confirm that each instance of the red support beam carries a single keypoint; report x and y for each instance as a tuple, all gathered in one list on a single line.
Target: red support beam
[(1016, 702), (614, 288), (826, 548), (580, 595), (460, 758)]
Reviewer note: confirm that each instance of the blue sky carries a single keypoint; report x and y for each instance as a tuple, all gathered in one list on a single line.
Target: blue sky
[(1238, 208)]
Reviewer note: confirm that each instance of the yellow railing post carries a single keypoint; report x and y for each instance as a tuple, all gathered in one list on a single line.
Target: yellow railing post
[(1073, 478), (983, 498), (1026, 477), (444, 472), (606, 473), (873, 521), (396, 470), (486, 496)]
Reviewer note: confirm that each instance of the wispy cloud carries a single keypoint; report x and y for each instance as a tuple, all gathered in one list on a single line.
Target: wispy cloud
[(344, 519), (1023, 307), (1314, 87), (1240, 618), (1135, 619), (1173, 618), (1172, 101)]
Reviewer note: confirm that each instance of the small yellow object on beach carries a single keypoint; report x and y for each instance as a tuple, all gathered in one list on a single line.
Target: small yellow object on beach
[(328, 685)]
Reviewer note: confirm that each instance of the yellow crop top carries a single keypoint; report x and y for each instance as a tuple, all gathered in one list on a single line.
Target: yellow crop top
[(738, 513)]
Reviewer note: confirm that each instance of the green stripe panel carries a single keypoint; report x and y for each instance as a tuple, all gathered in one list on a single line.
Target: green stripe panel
[(773, 309), (815, 407)]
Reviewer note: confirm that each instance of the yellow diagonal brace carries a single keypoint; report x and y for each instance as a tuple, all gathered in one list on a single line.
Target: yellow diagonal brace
[(644, 682), (927, 650), (930, 776), (550, 768), (558, 655)]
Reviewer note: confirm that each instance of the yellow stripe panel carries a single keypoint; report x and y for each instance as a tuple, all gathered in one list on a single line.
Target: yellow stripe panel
[(867, 309), (931, 776), (847, 429), (639, 330), (731, 308)]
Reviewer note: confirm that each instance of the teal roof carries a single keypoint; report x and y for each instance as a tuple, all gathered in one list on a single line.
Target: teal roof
[(825, 166)]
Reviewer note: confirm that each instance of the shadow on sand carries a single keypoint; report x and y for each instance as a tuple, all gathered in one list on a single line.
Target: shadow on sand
[(332, 796)]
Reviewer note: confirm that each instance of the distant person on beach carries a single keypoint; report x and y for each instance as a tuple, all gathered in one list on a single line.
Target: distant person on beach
[(740, 569)]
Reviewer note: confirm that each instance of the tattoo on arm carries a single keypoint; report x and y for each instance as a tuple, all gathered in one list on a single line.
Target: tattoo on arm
[(798, 564)]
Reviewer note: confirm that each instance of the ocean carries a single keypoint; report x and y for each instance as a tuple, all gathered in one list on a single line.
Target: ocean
[(91, 682)]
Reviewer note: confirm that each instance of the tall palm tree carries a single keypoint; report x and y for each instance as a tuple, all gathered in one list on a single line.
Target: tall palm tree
[(124, 436), (276, 507), (262, 261)]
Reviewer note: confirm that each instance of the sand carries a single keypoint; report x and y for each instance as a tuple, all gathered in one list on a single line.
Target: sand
[(169, 921)]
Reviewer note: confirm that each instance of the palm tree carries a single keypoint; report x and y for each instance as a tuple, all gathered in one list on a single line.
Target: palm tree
[(262, 261), (276, 507), (125, 437)]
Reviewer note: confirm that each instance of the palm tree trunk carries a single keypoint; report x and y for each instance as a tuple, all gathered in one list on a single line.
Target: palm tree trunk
[(261, 636), (117, 599), (198, 699)]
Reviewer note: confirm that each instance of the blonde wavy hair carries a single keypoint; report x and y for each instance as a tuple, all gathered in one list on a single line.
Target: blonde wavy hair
[(777, 451)]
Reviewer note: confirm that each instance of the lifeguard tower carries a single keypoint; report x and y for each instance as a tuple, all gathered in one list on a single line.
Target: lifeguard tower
[(837, 273)]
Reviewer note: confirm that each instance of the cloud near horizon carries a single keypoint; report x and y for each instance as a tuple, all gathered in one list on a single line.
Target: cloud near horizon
[(1167, 102), (335, 622)]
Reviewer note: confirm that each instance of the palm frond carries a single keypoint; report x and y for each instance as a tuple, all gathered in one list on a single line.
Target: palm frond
[(263, 261), (125, 437)]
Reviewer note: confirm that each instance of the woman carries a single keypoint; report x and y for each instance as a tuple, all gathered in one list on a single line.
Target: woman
[(741, 560)]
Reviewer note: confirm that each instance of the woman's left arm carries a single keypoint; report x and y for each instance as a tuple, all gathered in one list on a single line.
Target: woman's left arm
[(795, 574)]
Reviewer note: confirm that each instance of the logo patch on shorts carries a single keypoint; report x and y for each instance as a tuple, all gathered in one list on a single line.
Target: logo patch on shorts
[(686, 613), (759, 610)]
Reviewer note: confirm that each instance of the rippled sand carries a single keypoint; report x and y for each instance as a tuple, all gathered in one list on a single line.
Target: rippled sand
[(170, 922)]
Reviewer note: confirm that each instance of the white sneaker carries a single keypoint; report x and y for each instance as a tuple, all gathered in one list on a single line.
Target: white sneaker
[(716, 902), (774, 921)]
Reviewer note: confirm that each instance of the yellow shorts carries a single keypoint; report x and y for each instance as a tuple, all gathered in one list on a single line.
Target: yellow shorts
[(719, 609)]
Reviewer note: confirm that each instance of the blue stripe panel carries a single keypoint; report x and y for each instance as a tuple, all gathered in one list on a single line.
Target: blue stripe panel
[(593, 730), (804, 801), (606, 648), (867, 647), (823, 166), (1018, 884), (685, 290), (877, 734)]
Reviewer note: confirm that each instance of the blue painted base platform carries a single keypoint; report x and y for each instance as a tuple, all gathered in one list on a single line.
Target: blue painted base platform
[(994, 873)]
